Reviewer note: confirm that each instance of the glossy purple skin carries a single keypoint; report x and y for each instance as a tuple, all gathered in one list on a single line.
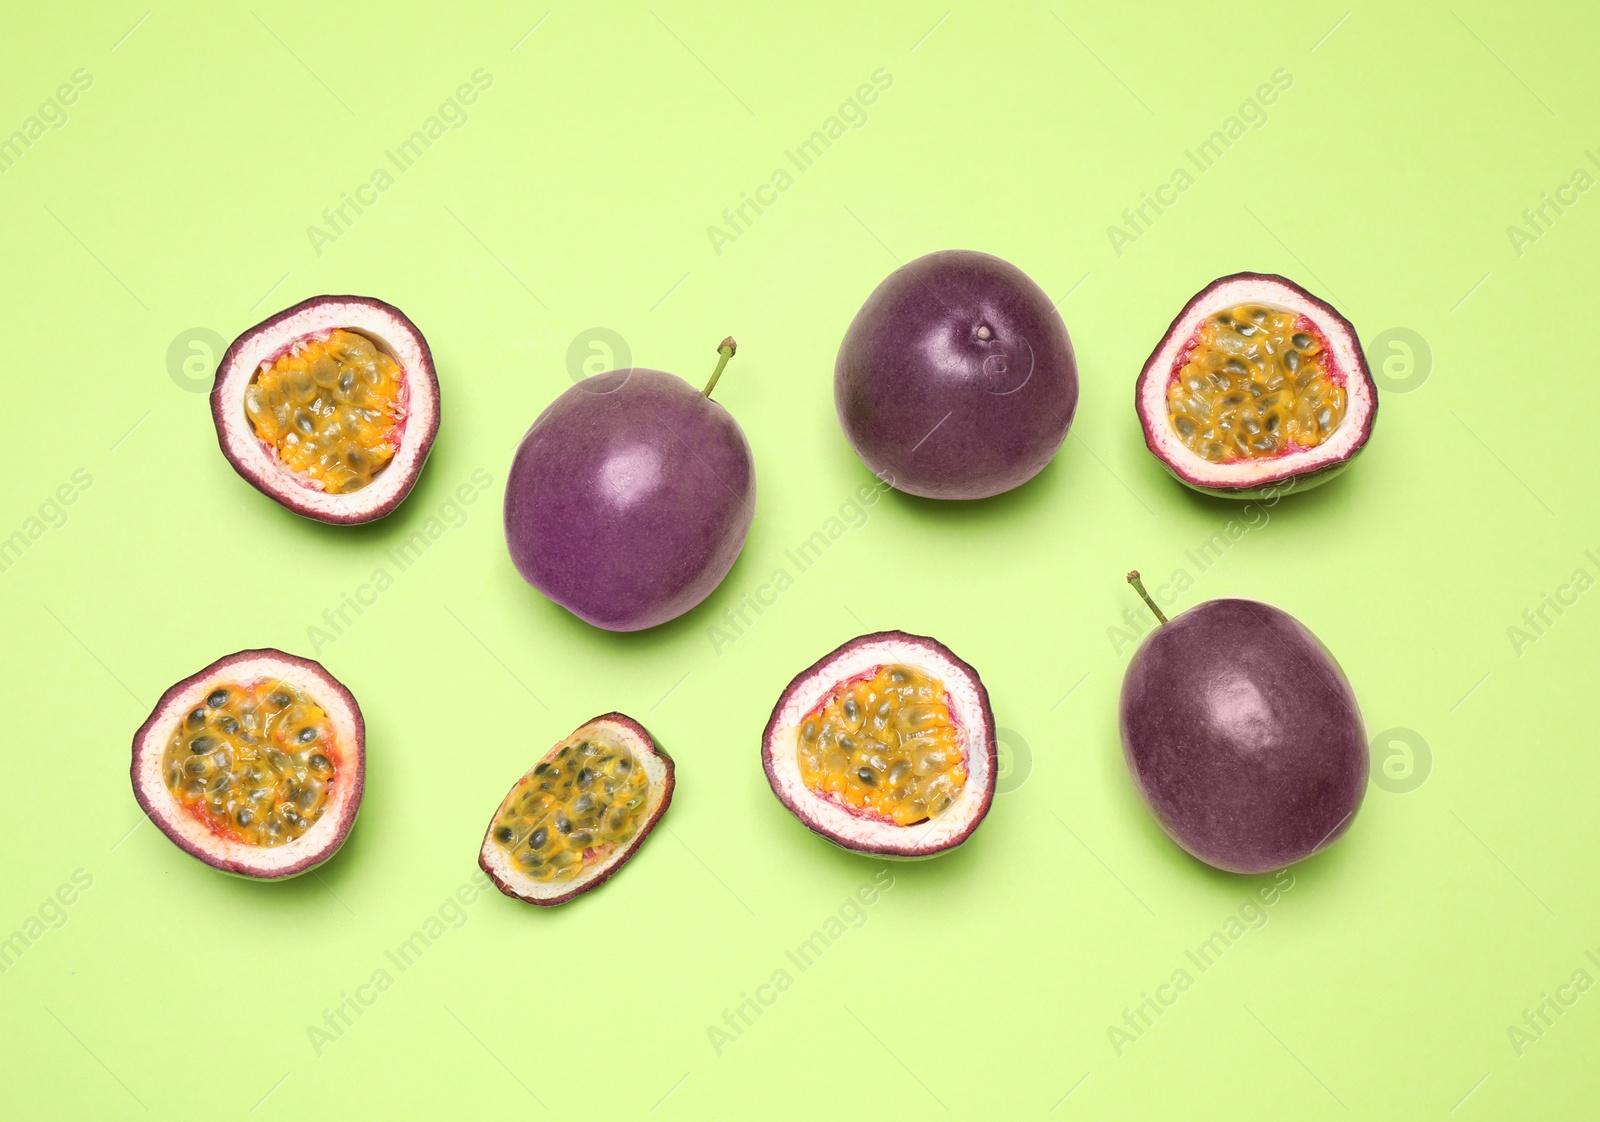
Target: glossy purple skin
[(956, 379), (629, 499), (1243, 736)]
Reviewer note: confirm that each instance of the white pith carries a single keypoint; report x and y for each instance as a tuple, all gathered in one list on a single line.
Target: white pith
[(966, 707), (183, 825), (1343, 346), (392, 334), (613, 734)]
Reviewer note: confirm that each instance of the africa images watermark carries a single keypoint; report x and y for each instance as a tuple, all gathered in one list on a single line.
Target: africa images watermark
[(452, 514), (1543, 1016), (1252, 114), (51, 515), (47, 917), (736, 620), (51, 116), (1250, 916), (851, 114), (850, 915), (452, 114), (451, 915), (1538, 620), (1540, 218)]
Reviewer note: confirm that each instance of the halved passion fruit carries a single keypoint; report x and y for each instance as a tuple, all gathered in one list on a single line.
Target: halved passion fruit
[(569, 824), (1257, 388), (886, 746), (329, 408), (255, 765)]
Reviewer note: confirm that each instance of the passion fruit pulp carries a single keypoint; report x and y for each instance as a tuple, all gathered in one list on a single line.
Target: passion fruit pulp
[(885, 746), (580, 813), (256, 765), (329, 407), (1257, 388)]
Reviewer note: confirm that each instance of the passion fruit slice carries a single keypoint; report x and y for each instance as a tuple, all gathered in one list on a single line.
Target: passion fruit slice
[(255, 765), (568, 825), (329, 407), (886, 746), (1257, 388)]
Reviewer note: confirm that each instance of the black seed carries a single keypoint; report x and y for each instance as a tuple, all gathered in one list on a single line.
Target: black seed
[(847, 744), (561, 755), (585, 777), (583, 805), (562, 824), (1300, 339), (319, 762), (200, 745), (217, 699), (197, 719), (582, 837), (537, 839), (244, 817), (278, 700), (851, 710), (503, 835), (624, 766), (866, 776), (542, 769), (306, 735), (229, 725)]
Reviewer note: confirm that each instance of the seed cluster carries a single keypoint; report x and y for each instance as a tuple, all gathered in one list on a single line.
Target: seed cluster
[(1254, 386), (253, 761), (582, 801), (885, 744), (328, 407)]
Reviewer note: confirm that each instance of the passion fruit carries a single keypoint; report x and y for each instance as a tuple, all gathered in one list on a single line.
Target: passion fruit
[(577, 817), (1258, 388), (329, 407), (1243, 735), (886, 746), (255, 765), (956, 379), (630, 497)]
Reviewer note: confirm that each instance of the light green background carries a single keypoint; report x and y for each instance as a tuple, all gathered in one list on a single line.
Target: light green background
[(174, 201)]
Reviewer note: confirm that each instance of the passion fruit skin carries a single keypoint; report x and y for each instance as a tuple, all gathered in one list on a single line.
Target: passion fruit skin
[(284, 862), (371, 317), (629, 499), (1243, 736), (956, 379), (910, 843), (644, 744), (1291, 475)]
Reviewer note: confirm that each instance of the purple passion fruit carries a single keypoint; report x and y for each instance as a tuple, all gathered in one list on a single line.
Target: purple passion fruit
[(1243, 735), (329, 408), (568, 825), (1258, 387), (956, 379), (255, 765), (630, 497), (886, 746)]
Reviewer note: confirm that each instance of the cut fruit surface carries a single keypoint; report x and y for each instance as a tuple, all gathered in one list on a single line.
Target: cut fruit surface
[(329, 408), (885, 746), (256, 765), (580, 813), (1257, 388)]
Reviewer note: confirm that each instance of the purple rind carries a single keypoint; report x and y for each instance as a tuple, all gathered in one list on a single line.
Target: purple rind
[(1286, 482), (430, 384), (213, 672), (667, 787), (990, 742)]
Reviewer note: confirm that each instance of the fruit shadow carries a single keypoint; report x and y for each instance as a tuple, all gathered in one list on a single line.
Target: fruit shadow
[(929, 873), (1009, 506)]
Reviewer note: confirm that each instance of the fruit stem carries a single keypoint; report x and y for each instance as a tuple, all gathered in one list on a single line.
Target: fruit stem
[(1138, 586), (726, 349)]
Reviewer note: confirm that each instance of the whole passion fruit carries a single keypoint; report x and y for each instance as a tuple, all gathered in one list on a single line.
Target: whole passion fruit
[(956, 379), (255, 765), (329, 407), (630, 497), (886, 746), (1242, 735), (576, 818), (1258, 388)]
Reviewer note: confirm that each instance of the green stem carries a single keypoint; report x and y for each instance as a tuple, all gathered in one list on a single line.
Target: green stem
[(1138, 586), (726, 349)]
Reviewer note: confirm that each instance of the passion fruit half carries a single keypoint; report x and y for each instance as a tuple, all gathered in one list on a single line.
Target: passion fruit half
[(580, 814), (886, 746), (255, 765), (1258, 388), (329, 407)]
